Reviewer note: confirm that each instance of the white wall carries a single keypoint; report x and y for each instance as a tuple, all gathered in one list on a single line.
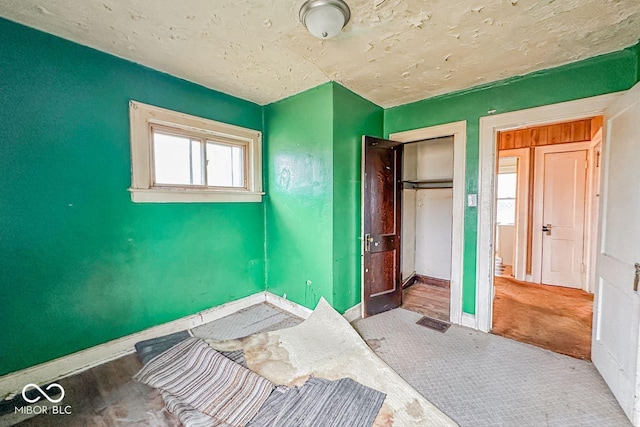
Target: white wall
[(506, 243), (433, 232), (408, 233), (410, 162), (435, 159)]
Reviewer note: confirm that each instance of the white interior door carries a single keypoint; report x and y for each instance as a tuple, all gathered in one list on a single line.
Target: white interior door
[(617, 305), (564, 190)]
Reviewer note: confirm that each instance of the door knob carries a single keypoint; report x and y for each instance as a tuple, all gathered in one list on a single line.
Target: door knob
[(547, 229), (367, 242)]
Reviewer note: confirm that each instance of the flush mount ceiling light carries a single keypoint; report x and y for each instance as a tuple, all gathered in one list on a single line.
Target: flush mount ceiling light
[(324, 18)]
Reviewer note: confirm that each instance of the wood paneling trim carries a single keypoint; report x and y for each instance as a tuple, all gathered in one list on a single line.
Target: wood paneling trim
[(560, 133), (596, 124)]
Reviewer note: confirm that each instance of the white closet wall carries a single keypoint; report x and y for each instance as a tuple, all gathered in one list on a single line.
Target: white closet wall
[(428, 213), (435, 159), (433, 233)]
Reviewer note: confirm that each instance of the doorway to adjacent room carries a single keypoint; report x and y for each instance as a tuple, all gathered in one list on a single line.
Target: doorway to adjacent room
[(547, 185)]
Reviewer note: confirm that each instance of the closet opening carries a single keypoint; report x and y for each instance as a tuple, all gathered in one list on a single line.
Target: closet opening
[(427, 218)]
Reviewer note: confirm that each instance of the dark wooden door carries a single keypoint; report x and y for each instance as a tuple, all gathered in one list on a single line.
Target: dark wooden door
[(382, 198)]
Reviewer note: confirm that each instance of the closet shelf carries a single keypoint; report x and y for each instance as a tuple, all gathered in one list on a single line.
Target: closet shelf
[(419, 184)]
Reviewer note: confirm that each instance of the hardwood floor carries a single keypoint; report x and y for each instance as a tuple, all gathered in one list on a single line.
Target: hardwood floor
[(432, 301), (552, 317), (108, 396)]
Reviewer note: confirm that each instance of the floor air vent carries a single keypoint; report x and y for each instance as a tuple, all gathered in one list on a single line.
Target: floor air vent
[(436, 325)]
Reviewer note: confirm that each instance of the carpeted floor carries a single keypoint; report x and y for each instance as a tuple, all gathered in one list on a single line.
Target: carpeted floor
[(477, 379), (552, 317), (481, 379)]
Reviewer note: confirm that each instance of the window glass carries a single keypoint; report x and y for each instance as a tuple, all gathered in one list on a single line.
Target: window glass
[(181, 160), (225, 165), (506, 212), (506, 209), (507, 185), (177, 160)]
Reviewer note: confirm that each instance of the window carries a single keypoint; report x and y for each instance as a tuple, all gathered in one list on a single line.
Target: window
[(506, 210), (181, 158)]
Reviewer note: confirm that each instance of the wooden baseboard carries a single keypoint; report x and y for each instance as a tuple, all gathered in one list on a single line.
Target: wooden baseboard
[(410, 280), (432, 281), (12, 384), (287, 305)]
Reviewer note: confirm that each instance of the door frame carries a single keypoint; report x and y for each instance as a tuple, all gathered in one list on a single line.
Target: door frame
[(522, 210), (538, 207), (489, 128), (459, 132)]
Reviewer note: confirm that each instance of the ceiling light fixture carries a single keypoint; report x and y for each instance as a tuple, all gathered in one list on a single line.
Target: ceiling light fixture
[(324, 18)]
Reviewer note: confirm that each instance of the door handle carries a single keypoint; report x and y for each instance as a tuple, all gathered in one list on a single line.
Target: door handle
[(636, 278), (367, 242), (547, 229)]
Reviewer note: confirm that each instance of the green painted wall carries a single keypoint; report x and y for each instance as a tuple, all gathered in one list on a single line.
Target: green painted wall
[(637, 53), (299, 202), (354, 116), (313, 205), (80, 264), (604, 74)]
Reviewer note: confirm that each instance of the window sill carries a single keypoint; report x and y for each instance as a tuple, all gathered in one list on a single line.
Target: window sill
[(185, 195)]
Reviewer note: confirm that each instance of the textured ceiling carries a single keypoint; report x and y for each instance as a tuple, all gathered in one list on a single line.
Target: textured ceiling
[(391, 52)]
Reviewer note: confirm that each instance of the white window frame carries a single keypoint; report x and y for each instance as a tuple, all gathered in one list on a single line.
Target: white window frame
[(143, 117)]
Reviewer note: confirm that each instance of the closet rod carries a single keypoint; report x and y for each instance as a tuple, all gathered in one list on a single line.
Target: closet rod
[(428, 184)]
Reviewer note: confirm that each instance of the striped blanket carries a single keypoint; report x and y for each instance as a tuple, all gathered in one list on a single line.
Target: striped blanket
[(321, 402), (193, 375), (204, 388)]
